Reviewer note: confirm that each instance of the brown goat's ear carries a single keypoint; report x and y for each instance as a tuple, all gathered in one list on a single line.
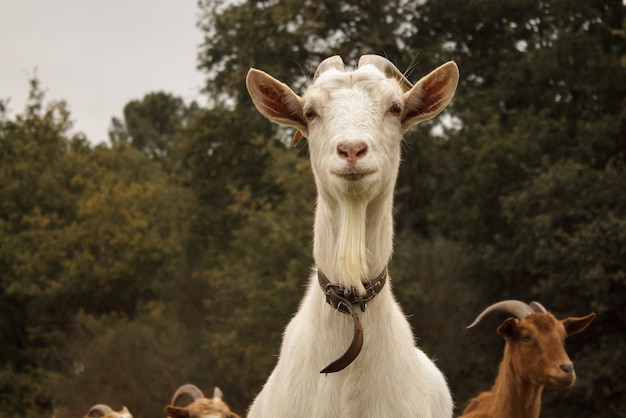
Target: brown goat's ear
[(574, 325), (507, 329), (430, 95), (275, 100), (176, 412)]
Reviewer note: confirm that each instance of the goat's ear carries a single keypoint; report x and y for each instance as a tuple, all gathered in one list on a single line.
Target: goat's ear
[(574, 325), (217, 393), (176, 412), (275, 100), (430, 95), (507, 329)]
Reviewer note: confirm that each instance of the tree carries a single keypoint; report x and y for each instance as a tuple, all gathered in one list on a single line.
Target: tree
[(118, 361), (152, 123), (83, 230), (289, 38), (34, 198), (540, 139), (260, 278), (219, 158), (570, 238), (518, 102)]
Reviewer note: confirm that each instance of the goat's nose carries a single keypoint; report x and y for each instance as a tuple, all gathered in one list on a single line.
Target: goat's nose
[(352, 151), (567, 368)]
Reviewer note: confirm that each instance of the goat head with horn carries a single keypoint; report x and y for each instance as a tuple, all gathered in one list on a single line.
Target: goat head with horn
[(534, 358), (422, 101), (200, 406), (105, 411)]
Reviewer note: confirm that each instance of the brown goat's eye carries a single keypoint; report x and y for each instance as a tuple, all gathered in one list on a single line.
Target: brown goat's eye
[(395, 109), (526, 338)]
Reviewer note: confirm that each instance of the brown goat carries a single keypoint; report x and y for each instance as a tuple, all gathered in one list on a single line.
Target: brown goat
[(200, 407), (534, 358), (104, 411)]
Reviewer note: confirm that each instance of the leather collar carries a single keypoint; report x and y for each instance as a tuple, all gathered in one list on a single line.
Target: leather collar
[(340, 298), (344, 300)]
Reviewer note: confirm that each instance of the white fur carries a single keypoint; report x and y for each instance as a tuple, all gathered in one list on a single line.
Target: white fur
[(353, 237)]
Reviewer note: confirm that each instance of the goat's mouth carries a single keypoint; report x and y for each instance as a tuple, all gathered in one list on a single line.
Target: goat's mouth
[(352, 174), (562, 381)]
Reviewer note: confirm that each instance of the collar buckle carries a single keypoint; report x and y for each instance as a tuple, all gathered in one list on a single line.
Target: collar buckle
[(342, 299)]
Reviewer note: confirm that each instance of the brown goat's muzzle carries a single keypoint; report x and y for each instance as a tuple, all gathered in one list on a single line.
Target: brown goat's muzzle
[(562, 376)]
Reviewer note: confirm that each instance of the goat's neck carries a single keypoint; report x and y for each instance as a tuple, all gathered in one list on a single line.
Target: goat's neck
[(353, 239), (515, 397)]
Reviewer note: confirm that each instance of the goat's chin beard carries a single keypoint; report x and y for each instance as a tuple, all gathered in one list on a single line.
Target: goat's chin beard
[(361, 188), (351, 252)]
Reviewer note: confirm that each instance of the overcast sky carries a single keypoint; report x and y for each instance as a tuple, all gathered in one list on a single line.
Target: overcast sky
[(98, 55)]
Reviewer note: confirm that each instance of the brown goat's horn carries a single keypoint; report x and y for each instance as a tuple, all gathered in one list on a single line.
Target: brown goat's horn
[(187, 390), (100, 409), (515, 307), (331, 62), (538, 307), (390, 70)]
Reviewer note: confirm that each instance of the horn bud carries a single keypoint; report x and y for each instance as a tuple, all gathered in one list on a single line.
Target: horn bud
[(388, 68), (334, 62)]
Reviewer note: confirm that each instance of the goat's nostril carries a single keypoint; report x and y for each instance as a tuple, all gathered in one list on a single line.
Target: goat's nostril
[(352, 150), (567, 367)]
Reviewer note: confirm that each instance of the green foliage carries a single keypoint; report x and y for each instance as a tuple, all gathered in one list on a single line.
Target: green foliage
[(95, 230), (117, 361), (36, 201), (569, 240), (261, 277), (420, 269), (289, 38), (218, 154), (535, 173), (151, 125)]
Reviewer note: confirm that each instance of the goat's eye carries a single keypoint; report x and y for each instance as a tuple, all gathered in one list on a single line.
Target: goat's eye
[(526, 338), (309, 114), (395, 109)]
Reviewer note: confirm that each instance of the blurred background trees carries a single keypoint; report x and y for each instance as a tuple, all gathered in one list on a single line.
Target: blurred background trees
[(178, 252)]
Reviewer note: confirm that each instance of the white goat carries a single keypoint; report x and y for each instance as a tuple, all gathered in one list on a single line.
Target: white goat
[(354, 122)]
